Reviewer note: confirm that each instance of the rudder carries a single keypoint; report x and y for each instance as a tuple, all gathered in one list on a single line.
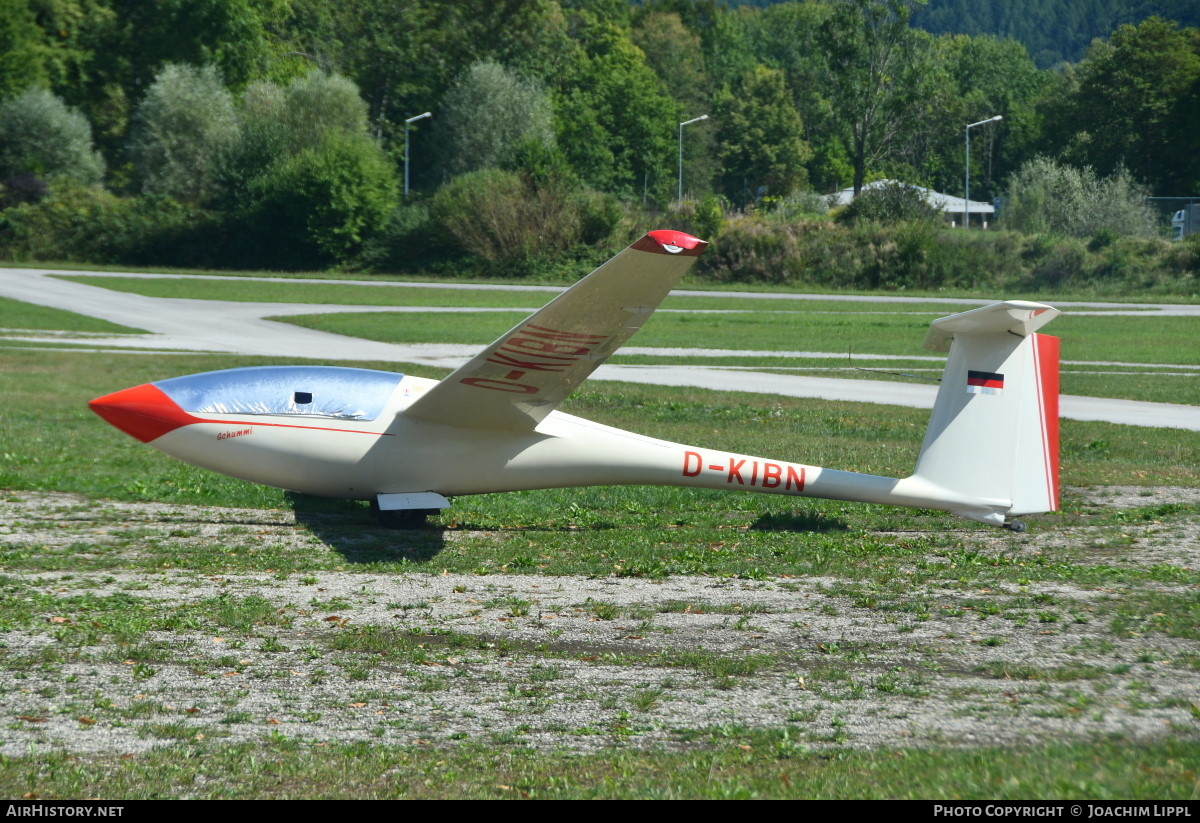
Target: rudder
[(993, 432)]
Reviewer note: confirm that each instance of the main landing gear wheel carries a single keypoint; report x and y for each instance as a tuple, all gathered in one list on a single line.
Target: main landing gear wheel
[(401, 518), (1015, 526)]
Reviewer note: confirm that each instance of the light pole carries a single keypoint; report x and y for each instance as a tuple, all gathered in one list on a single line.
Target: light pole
[(967, 184), (406, 124), (681, 125)]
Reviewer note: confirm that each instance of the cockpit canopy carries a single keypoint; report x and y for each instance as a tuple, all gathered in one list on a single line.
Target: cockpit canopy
[(309, 391)]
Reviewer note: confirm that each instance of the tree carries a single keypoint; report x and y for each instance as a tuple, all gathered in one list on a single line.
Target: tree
[(39, 134), (308, 184), (1054, 33), (759, 138), (488, 115), (1133, 106), (676, 56), (46, 43), (182, 131), (790, 37), (871, 55), (278, 122), (115, 48), (727, 52), (987, 76), (615, 124), (320, 103), (404, 56), (21, 45)]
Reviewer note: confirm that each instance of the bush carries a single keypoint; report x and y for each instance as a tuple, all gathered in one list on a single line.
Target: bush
[(710, 216), (751, 249), (319, 206), (1184, 257), (888, 203), (86, 224), (24, 187), (514, 224), (406, 242), (1045, 196), (182, 131), (704, 218), (798, 205), (40, 135), (600, 216), (922, 255)]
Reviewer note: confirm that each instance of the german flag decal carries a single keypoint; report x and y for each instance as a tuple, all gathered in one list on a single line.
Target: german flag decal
[(984, 382)]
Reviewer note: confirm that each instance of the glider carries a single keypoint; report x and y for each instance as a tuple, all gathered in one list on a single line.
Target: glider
[(407, 444)]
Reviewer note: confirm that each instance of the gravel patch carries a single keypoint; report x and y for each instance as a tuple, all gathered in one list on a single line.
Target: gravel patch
[(576, 663)]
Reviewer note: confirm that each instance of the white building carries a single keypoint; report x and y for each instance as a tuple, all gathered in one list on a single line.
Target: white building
[(949, 204)]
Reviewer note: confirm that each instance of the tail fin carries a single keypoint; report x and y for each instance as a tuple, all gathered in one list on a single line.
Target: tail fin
[(993, 433)]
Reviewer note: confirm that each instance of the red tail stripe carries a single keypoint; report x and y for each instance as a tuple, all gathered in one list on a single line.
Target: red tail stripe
[(1046, 354)]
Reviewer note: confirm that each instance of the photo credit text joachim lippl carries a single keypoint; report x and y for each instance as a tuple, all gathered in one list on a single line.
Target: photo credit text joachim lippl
[(1070, 810)]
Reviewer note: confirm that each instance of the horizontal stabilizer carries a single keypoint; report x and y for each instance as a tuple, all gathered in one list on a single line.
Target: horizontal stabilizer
[(1019, 317)]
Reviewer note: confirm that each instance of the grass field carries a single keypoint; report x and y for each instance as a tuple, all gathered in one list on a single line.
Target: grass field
[(1126, 626), (17, 315), (1129, 340), (752, 326)]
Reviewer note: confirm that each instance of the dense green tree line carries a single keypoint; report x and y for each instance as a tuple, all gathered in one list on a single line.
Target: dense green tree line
[(244, 132), (1054, 31)]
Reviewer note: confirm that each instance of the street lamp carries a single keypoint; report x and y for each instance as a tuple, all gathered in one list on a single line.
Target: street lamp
[(681, 125), (967, 184), (406, 124)]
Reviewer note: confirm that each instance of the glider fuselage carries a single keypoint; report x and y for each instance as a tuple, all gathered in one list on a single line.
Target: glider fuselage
[(351, 456)]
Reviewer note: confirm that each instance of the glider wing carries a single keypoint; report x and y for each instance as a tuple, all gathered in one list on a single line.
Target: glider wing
[(519, 379)]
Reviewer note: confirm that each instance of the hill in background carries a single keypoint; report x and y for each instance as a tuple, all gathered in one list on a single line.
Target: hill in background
[(1054, 31)]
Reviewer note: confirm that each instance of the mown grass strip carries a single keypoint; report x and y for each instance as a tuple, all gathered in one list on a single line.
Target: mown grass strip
[(734, 763), (1168, 340), (388, 294), (16, 314)]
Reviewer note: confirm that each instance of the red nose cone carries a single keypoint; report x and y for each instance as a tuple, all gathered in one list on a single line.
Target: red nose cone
[(144, 412)]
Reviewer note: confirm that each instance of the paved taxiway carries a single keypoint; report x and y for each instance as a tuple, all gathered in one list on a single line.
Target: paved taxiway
[(175, 324)]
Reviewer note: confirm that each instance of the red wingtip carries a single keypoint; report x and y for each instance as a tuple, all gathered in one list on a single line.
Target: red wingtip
[(144, 412), (665, 241)]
